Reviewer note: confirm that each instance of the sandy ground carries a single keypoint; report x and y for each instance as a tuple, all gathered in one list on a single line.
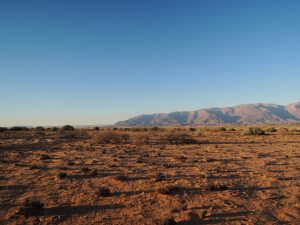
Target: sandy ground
[(260, 178)]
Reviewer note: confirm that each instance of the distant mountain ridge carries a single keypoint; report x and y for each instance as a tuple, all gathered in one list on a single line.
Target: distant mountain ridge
[(241, 114)]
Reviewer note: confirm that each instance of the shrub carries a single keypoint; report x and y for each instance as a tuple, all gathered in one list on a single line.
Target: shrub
[(67, 128), (169, 190), (199, 133), (62, 175), (85, 169), (110, 137), (104, 192), (271, 129), (160, 177), (40, 128), (154, 128), (217, 187), (169, 221), (54, 128), (70, 163), (45, 157), (177, 137), (253, 131), (3, 129), (96, 128), (204, 214), (19, 129), (222, 129), (33, 167), (121, 178), (192, 129), (31, 207), (94, 173)]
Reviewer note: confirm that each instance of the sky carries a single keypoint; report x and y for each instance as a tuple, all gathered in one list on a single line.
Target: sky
[(97, 62)]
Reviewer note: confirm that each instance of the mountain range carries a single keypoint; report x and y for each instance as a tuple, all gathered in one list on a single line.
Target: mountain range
[(241, 114)]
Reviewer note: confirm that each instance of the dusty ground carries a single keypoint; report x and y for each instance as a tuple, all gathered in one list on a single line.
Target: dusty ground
[(260, 178)]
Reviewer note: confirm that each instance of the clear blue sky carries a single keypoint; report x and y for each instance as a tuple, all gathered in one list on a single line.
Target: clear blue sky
[(96, 62)]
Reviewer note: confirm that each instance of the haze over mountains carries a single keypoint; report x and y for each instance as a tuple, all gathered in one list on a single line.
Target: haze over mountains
[(241, 114)]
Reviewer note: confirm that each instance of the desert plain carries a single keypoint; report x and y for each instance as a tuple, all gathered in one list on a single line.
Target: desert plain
[(168, 175)]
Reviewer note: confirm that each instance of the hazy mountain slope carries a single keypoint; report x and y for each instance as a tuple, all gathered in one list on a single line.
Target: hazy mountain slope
[(241, 114), (294, 109)]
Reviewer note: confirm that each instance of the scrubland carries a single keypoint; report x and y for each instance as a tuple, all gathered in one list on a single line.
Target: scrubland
[(150, 175)]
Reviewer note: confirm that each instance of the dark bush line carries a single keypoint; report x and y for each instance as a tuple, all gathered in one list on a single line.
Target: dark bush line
[(18, 128)]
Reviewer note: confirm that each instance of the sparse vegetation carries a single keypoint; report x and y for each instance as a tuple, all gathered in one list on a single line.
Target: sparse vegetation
[(204, 214), (33, 167), (169, 221), (67, 128), (85, 169), (145, 171), (199, 133), (253, 131), (170, 190), (54, 128), (40, 128), (217, 187), (104, 192), (121, 178), (271, 129), (19, 129), (110, 137), (192, 129), (45, 157), (62, 175), (71, 163), (94, 173), (160, 177), (3, 129), (177, 137), (154, 128), (32, 207)]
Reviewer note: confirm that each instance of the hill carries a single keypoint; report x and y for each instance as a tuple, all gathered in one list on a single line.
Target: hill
[(241, 114)]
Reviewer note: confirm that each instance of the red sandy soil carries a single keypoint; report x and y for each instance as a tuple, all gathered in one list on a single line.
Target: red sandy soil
[(260, 175)]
